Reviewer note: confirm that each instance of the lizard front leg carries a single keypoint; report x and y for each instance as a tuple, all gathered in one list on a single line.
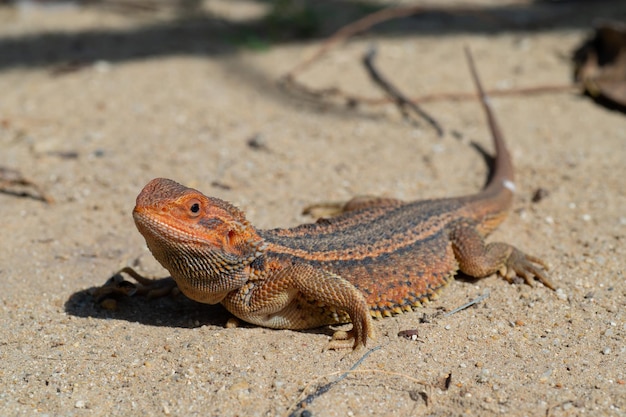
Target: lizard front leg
[(300, 296), (117, 286), (479, 260)]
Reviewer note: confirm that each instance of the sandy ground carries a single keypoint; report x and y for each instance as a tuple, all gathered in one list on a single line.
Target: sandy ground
[(155, 99)]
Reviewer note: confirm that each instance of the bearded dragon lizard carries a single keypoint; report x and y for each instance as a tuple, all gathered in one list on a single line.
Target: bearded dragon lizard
[(379, 257)]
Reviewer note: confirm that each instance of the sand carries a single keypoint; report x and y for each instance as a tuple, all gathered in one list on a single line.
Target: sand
[(94, 103)]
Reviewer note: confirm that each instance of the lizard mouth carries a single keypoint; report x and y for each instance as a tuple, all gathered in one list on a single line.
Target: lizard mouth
[(151, 227)]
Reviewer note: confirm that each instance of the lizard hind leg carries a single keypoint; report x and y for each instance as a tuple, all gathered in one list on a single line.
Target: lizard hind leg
[(477, 259)]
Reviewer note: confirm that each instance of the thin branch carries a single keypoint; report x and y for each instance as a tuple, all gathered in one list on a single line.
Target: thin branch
[(395, 94), (367, 22), (12, 177), (326, 387), (300, 404), (355, 99), (350, 30), (468, 304)]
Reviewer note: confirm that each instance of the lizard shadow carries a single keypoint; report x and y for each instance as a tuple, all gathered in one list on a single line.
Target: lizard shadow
[(489, 159), (168, 311), (176, 311)]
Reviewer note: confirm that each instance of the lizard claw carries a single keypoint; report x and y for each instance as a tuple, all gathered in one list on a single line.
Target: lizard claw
[(362, 329), (526, 266), (350, 339), (117, 286), (342, 340)]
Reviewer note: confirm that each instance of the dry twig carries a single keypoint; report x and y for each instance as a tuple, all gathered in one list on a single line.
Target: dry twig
[(343, 34), (300, 404), (12, 177), (468, 304), (350, 30), (396, 95)]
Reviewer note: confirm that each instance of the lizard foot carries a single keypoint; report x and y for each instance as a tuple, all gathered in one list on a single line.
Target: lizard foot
[(117, 286), (352, 339), (343, 340), (527, 267)]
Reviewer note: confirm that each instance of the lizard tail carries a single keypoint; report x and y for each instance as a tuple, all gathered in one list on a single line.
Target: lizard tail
[(502, 175)]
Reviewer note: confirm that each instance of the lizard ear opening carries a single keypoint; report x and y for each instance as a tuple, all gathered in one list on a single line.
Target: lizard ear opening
[(242, 241), (231, 238)]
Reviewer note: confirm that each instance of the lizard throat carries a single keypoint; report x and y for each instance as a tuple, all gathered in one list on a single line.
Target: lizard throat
[(202, 271)]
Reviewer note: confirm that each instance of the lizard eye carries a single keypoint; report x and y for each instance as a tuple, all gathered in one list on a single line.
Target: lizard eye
[(194, 207)]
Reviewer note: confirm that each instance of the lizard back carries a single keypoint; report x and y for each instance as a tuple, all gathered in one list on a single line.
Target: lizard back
[(400, 254), (380, 257)]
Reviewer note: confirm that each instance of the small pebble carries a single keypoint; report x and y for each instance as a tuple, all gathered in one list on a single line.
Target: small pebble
[(438, 148), (484, 376), (539, 194), (410, 334), (240, 385), (257, 142), (102, 66)]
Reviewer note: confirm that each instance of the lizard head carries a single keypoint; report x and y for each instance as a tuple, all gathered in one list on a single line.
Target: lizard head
[(204, 242)]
